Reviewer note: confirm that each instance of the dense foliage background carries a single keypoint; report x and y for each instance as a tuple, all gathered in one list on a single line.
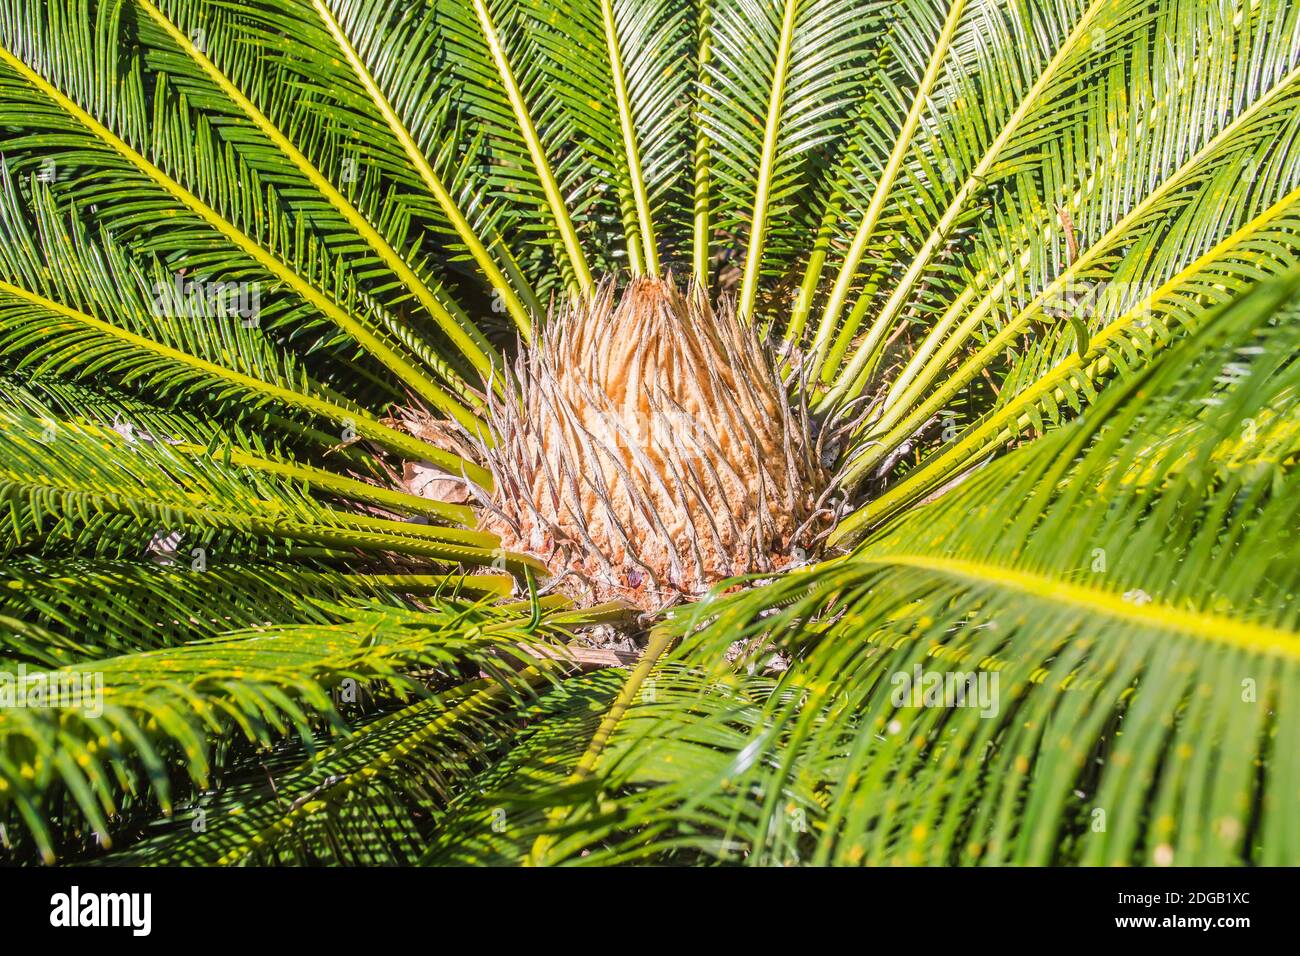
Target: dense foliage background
[(257, 254)]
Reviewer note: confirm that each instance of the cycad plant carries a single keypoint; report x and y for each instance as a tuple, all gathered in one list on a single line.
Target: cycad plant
[(680, 431)]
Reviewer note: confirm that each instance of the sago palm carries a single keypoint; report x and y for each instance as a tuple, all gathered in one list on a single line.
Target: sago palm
[(587, 431)]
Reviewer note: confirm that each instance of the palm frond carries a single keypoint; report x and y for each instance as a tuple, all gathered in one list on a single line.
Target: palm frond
[(160, 710), (139, 160)]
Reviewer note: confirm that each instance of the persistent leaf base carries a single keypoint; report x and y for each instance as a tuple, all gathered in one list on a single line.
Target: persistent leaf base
[(649, 448)]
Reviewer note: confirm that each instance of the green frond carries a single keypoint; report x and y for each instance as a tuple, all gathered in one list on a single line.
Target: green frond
[(205, 72), (372, 81), (161, 710), (1022, 281), (98, 489), (1130, 329), (779, 79), (182, 170)]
